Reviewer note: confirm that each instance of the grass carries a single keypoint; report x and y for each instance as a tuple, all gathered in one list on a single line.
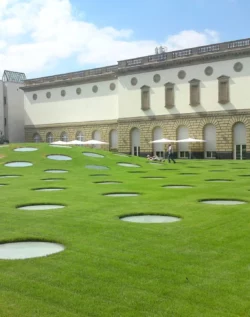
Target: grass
[(198, 266)]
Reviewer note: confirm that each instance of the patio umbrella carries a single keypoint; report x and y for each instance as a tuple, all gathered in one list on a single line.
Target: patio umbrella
[(59, 143), (75, 142), (164, 140), (190, 140), (93, 142)]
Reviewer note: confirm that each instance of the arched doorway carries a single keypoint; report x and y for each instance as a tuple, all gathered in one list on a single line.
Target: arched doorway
[(239, 140), (64, 137), (183, 150), (37, 138), (79, 136), (210, 138), (97, 136), (158, 148), (49, 137), (113, 139), (135, 142)]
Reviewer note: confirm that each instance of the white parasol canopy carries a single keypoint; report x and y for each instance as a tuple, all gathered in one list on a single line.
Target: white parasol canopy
[(190, 140), (59, 143), (164, 140), (75, 142), (94, 142)]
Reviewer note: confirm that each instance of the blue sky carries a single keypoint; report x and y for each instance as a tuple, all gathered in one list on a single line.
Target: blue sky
[(46, 37)]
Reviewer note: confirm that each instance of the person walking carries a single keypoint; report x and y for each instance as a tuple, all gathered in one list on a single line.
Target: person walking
[(170, 154)]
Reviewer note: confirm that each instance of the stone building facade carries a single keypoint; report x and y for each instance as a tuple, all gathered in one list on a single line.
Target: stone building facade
[(200, 92)]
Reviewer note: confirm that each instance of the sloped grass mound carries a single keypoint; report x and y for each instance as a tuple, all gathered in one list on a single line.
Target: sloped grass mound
[(158, 265)]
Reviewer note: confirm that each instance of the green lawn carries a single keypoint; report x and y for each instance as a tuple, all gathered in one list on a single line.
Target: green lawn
[(199, 266)]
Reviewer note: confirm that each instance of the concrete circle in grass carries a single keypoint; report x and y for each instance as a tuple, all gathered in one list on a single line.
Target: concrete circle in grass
[(97, 167), (153, 177), (222, 201), (25, 149), (217, 171), (128, 164), (18, 164), (92, 154), (108, 182), (177, 186), (56, 171), (62, 146), (150, 219), (9, 176), (28, 250), (59, 157), (188, 173), (40, 207), (49, 189), (52, 179), (1, 185), (136, 172), (219, 180), (100, 175), (121, 194)]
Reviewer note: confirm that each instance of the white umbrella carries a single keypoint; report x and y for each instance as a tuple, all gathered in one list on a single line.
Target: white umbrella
[(94, 142), (191, 140), (59, 143), (76, 142), (163, 141)]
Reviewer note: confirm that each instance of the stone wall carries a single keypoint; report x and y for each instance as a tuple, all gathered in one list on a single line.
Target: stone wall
[(223, 121)]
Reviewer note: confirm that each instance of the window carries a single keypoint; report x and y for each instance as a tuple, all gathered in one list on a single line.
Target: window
[(37, 138), (223, 90), (169, 95), (194, 92), (145, 98), (5, 100), (64, 137), (49, 137), (184, 154), (5, 122), (79, 136), (210, 154)]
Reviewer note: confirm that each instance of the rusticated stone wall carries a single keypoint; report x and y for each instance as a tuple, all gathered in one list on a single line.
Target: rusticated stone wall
[(223, 121)]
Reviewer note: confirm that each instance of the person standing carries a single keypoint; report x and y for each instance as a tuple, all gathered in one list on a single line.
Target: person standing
[(170, 154)]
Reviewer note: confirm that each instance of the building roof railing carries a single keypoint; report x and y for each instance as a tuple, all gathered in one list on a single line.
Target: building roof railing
[(196, 51), (71, 76), (144, 60)]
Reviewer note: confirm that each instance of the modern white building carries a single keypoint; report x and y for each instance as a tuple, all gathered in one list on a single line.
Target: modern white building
[(12, 106), (200, 92)]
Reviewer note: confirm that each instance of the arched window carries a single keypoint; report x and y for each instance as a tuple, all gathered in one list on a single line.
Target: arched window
[(37, 138), (79, 136), (158, 148), (239, 140), (135, 141), (183, 150), (97, 136), (64, 136), (49, 137), (113, 139), (210, 144)]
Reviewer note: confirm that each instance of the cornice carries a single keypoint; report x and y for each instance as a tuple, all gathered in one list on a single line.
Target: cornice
[(71, 124), (70, 82)]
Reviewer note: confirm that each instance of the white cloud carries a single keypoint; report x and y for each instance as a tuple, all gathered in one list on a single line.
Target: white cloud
[(36, 34)]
